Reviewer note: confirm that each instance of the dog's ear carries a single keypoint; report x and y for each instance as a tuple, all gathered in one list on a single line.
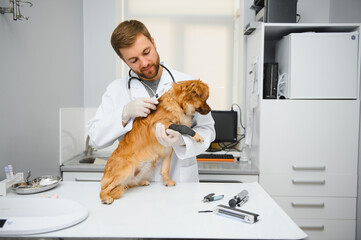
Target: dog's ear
[(183, 86), (198, 88), (191, 88)]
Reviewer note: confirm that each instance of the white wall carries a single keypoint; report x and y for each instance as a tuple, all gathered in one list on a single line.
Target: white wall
[(41, 70), (348, 11), (99, 56), (314, 11)]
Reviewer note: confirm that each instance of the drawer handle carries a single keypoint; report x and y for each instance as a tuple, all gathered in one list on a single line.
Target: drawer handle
[(319, 182), (87, 179), (308, 168), (219, 181), (315, 205), (312, 227)]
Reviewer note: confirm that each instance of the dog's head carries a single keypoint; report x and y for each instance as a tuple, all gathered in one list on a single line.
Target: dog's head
[(192, 96)]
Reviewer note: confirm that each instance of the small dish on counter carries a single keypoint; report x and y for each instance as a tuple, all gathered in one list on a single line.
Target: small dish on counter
[(39, 184)]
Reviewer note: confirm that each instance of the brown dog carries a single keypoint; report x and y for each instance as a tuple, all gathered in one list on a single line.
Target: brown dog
[(133, 162)]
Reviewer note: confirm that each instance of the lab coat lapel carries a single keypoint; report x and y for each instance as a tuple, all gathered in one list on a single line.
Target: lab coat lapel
[(165, 80)]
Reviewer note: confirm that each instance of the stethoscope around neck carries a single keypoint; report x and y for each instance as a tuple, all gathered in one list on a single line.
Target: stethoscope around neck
[(137, 78)]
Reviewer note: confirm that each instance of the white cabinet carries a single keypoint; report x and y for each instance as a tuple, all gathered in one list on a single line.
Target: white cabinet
[(319, 65), (306, 150), (309, 148)]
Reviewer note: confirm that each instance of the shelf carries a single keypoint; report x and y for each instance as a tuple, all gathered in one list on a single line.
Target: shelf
[(275, 31)]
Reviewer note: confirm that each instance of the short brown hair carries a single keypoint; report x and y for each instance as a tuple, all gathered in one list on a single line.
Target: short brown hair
[(125, 33)]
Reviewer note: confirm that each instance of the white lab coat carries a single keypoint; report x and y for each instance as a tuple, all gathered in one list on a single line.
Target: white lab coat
[(106, 126)]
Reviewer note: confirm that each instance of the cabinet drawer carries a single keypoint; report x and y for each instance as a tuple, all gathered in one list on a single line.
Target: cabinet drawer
[(309, 186), (316, 135), (82, 176), (228, 178), (328, 229), (318, 207)]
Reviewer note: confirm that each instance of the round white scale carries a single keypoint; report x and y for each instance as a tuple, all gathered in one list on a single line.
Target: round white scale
[(20, 216)]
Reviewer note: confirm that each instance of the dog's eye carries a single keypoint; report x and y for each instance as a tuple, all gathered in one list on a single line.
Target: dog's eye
[(195, 94)]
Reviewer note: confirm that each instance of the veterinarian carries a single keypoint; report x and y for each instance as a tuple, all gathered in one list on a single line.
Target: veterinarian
[(133, 96)]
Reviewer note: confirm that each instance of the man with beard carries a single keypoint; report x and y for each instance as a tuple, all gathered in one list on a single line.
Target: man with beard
[(135, 96)]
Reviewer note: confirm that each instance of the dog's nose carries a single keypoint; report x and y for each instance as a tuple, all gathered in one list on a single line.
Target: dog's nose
[(205, 109)]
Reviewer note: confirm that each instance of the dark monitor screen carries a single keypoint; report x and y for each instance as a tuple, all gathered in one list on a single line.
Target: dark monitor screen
[(225, 126)]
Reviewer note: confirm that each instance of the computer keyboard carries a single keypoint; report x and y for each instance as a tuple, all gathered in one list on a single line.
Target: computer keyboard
[(209, 157)]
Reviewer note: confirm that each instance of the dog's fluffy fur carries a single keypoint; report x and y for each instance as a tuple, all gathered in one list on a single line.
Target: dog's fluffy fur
[(133, 162)]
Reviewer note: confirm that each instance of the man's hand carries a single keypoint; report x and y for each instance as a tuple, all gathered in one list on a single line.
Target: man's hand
[(168, 137), (140, 107)]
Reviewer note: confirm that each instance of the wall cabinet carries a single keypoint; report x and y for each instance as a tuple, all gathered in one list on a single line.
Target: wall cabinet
[(306, 149)]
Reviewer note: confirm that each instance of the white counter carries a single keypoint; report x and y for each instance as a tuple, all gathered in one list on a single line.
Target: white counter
[(157, 211)]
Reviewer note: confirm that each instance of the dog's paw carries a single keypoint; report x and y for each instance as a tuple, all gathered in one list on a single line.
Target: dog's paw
[(144, 183), (169, 183), (198, 138), (107, 200)]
